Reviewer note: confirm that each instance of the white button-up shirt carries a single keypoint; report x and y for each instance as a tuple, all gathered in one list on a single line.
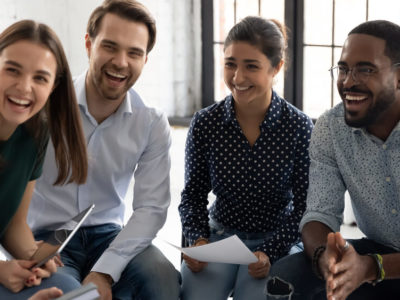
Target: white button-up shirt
[(134, 141)]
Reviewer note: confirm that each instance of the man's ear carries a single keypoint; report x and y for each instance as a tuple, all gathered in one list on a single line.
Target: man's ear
[(398, 77), (88, 44)]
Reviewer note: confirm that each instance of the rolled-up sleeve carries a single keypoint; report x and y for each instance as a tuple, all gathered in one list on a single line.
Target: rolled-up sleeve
[(325, 198)]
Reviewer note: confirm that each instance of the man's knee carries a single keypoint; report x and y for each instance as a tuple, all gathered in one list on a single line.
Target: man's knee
[(292, 275), (151, 270), (289, 267), (276, 288)]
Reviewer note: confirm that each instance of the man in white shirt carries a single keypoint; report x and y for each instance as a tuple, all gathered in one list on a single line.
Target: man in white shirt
[(124, 138)]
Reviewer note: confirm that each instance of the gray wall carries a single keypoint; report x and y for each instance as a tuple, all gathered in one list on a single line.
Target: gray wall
[(171, 78)]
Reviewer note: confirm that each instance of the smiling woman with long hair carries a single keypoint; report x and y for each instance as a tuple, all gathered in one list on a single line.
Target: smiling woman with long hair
[(37, 100)]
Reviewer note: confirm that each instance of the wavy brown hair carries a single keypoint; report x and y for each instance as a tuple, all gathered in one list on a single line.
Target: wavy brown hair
[(60, 115)]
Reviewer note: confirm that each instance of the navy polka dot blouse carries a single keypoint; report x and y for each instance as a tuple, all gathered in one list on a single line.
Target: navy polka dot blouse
[(259, 188)]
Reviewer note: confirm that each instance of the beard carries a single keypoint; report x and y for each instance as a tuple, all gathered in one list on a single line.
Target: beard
[(382, 103), (109, 93)]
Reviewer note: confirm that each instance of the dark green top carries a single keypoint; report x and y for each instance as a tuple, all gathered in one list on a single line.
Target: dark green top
[(21, 162)]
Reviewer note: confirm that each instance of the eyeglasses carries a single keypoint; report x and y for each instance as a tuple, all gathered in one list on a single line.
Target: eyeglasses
[(359, 74)]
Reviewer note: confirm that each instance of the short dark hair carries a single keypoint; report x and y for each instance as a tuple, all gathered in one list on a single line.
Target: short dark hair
[(128, 9), (267, 35), (385, 30)]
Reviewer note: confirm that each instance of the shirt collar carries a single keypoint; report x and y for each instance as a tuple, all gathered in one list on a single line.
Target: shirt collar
[(271, 119), (363, 129)]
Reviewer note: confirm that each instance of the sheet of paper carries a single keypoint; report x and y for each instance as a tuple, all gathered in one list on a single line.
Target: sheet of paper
[(230, 250)]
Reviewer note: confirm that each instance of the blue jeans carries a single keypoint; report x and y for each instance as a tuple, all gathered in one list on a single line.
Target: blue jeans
[(62, 281), (217, 280), (148, 276), (292, 278)]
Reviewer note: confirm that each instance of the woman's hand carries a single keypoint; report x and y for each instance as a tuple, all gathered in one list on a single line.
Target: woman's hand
[(47, 294), (47, 269), (193, 264), (260, 269), (15, 274)]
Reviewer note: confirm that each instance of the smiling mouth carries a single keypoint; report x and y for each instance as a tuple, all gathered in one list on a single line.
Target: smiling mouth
[(355, 99), (115, 76), (19, 102), (242, 88)]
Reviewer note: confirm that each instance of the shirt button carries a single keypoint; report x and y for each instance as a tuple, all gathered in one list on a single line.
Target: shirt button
[(384, 146), (388, 179), (394, 211)]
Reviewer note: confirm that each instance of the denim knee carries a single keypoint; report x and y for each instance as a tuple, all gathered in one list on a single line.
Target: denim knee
[(64, 282), (150, 275), (296, 272), (277, 288)]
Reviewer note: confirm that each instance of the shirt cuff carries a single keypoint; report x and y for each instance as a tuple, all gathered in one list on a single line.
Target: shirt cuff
[(111, 264), (331, 221)]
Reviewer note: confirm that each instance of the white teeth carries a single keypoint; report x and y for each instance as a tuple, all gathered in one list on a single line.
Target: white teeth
[(120, 76), (19, 101), (241, 88), (355, 98)]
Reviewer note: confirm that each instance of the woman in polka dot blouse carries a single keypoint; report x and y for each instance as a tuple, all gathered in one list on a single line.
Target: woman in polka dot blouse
[(251, 151)]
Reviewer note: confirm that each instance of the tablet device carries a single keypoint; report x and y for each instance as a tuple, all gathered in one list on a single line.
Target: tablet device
[(59, 238)]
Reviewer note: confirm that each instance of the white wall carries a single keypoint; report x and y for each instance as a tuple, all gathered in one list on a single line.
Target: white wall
[(171, 78)]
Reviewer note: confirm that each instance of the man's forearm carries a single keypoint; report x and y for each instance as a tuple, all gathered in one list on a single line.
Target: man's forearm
[(313, 235), (391, 265)]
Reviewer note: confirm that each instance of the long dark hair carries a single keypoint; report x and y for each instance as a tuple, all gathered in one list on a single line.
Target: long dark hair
[(267, 35), (60, 115)]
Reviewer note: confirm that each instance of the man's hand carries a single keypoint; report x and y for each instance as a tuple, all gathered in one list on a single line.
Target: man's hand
[(330, 256), (260, 269), (103, 282), (47, 294), (193, 264), (15, 275), (350, 272)]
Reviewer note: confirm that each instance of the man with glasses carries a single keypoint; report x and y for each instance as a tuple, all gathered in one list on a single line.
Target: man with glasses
[(355, 146)]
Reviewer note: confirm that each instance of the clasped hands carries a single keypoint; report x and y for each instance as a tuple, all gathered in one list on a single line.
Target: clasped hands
[(17, 273), (259, 269), (343, 268)]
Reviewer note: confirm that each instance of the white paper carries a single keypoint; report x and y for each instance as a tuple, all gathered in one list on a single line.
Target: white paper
[(230, 250)]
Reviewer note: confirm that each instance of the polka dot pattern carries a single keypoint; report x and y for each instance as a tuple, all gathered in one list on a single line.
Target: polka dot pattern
[(258, 189)]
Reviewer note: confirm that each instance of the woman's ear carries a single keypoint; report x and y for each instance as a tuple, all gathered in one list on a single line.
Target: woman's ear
[(56, 82), (278, 67)]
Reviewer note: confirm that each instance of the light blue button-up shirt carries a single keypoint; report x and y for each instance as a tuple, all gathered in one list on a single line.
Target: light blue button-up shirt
[(135, 140), (349, 158)]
